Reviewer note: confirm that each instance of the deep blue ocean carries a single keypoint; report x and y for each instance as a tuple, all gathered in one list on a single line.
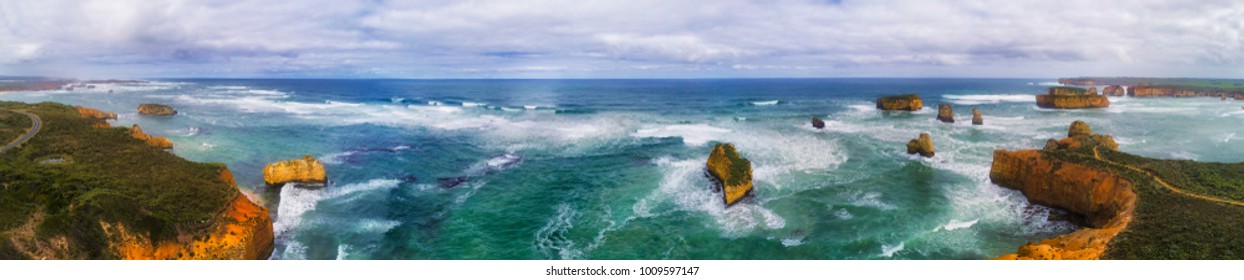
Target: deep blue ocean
[(613, 169)]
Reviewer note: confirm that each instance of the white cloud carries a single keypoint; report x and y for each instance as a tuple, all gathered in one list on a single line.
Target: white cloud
[(636, 38)]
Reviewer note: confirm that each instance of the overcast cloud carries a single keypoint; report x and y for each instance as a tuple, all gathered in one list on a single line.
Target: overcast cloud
[(584, 38)]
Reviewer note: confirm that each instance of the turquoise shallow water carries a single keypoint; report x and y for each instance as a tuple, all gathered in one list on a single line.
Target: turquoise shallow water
[(613, 169)]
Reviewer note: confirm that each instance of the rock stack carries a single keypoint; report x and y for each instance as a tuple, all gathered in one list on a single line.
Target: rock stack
[(945, 113), (1071, 98), (306, 171), (922, 145), (907, 102), (976, 116), (156, 109), (733, 174), (1113, 90), (818, 123)]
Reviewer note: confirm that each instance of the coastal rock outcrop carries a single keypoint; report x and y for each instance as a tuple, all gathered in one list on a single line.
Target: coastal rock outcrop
[(922, 145), (242, 231), (95, 113), (1071, 98), (945, 113), (818, 123), (907, 102), (733, 174), (1079, 128), (156, 109), (158, 142), (1153, 90), (1079, 134), (1113, 90), (1106, 200), (305, 171), (976, 116)]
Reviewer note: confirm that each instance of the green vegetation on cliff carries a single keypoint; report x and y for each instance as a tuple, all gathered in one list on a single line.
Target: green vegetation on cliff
[(12, 125), (71, 177), (1170, 225)]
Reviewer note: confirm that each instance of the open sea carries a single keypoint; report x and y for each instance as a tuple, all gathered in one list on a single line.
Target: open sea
[(613, 169)]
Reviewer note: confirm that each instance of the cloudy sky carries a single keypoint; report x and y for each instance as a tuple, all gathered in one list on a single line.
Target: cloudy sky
[(621, 39)]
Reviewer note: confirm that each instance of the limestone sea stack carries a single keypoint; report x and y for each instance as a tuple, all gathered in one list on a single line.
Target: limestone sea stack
[(733, 174), (156, 109), (907, 102), (306, 171), (158, 142), (922, 145), (1079, 134), (1113, 90), (945, 113), (1071, 98), (976, 116), (818, 123)]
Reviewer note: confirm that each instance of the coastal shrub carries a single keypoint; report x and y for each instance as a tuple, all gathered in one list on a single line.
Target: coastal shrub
[(113, 178), (1169, 225)]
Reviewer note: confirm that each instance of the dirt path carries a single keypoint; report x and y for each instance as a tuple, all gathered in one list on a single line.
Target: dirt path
[(35, 125), (1165, 185)]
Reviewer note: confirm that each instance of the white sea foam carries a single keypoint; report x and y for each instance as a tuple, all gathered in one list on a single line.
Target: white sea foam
[(691, 134), (531, 107), (792, 242), (889, 250), (684, 187), (342, 251), (473, 104), (956, 224), (765, 103), (843, 214), (551, 238), (978, 99), (863, 107), (867, 199), (296, 202)]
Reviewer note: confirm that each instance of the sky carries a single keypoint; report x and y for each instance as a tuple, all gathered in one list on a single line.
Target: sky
[(620, 39)]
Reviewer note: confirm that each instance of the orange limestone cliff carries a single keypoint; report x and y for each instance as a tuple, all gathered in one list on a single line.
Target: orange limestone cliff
[(1071, 98), (1113, 90), (922, 145), (1106, 200), (158, 142), (156, 109), (732, 173), (95, 113), (242, 231), (1147, 91), (907, 102), (306, 170)]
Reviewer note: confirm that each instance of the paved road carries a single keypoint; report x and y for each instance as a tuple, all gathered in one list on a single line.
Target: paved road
[(36, 124)]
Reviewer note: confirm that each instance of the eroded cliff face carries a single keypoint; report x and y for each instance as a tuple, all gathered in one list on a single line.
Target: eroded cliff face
[(242, 231), (158, 142), (306, 170), (95, 113), (733, 173), (1106, 200), (1147, 91), (1113, 90), (1072, 102), (908, 102), (156, 109)]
